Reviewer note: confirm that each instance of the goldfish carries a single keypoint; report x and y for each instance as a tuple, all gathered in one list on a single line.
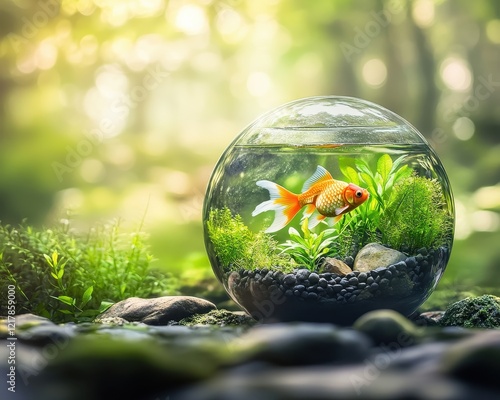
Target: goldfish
[(321, 195)]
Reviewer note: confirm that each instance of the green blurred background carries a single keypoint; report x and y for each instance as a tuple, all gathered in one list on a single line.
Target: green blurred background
[(121, 108)]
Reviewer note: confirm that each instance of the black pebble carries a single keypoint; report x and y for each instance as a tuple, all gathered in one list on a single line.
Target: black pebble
[(313, 278), (289, 280), (337, 288), (374, 286), (361, 285), (362, 277), (422, 251), (370, 280), (302, 274), (353, 281), (388, 274), (323, 282), (312, 296), (411, 262), (300, 288), (384, 283), (349, 261)]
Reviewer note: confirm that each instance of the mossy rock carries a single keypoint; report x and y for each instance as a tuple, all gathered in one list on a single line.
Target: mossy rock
[(218, 317), (474, 312)]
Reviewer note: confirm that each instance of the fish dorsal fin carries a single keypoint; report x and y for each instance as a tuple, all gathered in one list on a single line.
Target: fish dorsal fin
[(320, 175)]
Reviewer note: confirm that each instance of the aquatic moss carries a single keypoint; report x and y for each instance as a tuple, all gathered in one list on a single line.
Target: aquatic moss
[(416, 215), (473, 312), (218, 317), (236, 246)]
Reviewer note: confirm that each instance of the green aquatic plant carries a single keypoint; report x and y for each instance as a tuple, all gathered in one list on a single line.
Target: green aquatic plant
[(416, 215), (307, 250), (378, 181), (361, 226), (236, 246), (67, 276)]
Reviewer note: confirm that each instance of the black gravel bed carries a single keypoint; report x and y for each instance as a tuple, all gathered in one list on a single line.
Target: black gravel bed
[(406, 280)]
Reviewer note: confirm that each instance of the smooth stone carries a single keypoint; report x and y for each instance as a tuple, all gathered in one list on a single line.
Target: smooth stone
[(313, 278), (323, 283), (303, 274), (289, 280), (302, 344), (27, 320), (475, 360), (47, 333), (158, 311), (335, 266), (473, 312), (374, 255), (387, 326), (433, 316)]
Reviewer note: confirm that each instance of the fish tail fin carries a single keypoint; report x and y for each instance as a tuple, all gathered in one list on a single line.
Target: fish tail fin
[(284, 203)]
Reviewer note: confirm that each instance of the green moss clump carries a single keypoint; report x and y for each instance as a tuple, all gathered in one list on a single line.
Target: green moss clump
[(473, 312), (416, 215), (218, 317), (236, 246)]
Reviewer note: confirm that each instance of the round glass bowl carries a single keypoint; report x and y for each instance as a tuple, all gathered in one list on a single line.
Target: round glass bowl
[(326, 208)]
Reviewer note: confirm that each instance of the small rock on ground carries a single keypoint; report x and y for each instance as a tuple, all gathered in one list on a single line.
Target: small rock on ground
[(158, 311)]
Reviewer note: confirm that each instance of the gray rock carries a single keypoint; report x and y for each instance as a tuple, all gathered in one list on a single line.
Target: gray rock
[(366, 381), (335, 266), (302, 344), (374, 256), (475, 360), (387, 327), (158, 311), (47, 333)]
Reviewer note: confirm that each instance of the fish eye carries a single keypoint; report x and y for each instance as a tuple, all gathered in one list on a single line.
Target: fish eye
[(359, 194)]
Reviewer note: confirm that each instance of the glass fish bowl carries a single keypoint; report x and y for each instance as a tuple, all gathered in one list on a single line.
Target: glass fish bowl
[(327, 208)]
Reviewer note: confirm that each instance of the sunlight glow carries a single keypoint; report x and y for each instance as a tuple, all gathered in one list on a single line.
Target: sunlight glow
[(463, 128), (485, 221), (423, 13), (493, 31), (191, 19), (456, 74), (374, 72), (487, 197), (258, 84)]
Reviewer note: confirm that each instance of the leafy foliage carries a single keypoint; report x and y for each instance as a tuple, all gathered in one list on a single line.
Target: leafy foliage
[(361, 226), (236, 246), (308, 249), (69, 277), (416, 215)]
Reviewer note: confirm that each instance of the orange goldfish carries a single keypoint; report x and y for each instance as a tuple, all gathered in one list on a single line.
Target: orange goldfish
[(321, 195)]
